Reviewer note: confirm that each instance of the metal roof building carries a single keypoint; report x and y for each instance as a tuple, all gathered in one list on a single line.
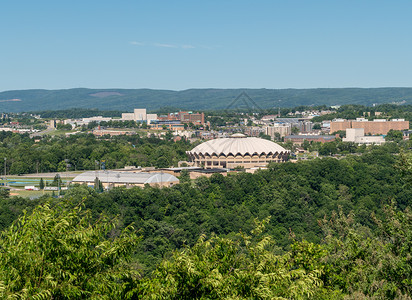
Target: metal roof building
[(127, 179)]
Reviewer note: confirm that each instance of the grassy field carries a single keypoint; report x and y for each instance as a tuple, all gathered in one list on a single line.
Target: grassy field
[(61, 132), (29, 194)]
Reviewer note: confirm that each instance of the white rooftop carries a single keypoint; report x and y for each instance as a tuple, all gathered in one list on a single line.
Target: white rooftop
[(238, 143), (125, 177)]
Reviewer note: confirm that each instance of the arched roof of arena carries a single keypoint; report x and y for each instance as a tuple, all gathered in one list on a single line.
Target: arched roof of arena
[(238, 144)]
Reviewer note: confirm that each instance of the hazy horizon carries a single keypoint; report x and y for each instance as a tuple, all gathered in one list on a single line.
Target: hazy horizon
[(182, 45)]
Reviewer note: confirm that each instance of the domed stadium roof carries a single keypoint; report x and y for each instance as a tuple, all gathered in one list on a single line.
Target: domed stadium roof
[(237, 144)]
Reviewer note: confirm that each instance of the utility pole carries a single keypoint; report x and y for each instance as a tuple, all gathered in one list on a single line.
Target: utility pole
[(5, 171)]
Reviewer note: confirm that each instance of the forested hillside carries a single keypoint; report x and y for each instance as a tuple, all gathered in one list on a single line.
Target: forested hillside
[(195, 99), (330, 228)]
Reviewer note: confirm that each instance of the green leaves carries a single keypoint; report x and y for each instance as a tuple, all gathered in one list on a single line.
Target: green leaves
[(58, 253), (370, 264), (242, 268)]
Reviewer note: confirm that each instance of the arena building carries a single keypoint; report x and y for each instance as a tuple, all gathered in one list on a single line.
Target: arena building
[(237, 150)]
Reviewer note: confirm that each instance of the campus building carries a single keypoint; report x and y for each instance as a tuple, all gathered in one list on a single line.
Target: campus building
[(190, 117), (237, 150), (283, 129), (184, 117), (139, 115), (110, 179), (357, 135), (377, 126), (169, 125)]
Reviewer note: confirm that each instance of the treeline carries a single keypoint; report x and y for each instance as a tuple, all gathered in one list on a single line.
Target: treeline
[(385, 111), (328, 229), (81, 152), (76, 113)]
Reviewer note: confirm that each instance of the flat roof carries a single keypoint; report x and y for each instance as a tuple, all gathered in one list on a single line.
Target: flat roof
[(326, 137), (216, 170), (182, 168)]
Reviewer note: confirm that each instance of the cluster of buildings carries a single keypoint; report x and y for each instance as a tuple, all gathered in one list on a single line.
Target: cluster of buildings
[(214, 156), (172, 121), (177, 120), (359, 131), (310, 113), (283, 127), (16, 127)]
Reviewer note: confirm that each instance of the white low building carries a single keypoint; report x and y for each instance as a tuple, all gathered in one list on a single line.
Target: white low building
[(111, 179), (357, 136)]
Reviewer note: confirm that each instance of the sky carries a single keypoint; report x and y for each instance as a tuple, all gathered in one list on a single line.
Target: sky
[(178, 45)]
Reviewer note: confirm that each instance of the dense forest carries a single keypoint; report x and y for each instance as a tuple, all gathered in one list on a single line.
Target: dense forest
[(197, 99), (322, 229), (81, 151)]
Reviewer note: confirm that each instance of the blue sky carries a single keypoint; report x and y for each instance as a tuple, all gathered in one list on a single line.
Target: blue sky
[(205, 44)]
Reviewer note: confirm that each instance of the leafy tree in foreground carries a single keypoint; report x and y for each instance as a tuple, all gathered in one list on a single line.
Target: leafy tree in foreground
[(242, 268), (370, 265), (56, 253)]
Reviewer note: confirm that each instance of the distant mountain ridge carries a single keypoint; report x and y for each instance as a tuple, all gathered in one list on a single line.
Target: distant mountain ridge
[(195, 99)]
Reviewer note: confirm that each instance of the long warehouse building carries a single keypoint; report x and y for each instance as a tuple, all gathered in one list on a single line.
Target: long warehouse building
[(110, 179)]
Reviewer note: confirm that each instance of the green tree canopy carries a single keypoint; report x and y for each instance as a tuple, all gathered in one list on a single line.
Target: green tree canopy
[(57, 253)]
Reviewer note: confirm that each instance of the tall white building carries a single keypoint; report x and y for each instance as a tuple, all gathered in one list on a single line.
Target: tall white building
[(139, 115)]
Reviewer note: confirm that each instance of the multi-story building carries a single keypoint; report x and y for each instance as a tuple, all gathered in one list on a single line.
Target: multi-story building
[(377, 126), (139, 115), (283, 129), (190, 117), (305, 126), (168, 117), (254, 131), (170, 125)]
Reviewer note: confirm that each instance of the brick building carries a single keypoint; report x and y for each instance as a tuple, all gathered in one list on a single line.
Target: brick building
[(189, 117), (377, 126)]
